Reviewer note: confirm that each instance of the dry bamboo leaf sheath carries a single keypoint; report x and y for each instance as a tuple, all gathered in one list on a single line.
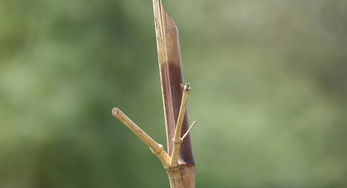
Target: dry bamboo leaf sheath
[(178, 160)]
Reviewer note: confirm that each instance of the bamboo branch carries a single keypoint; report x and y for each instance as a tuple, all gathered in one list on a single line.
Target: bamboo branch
[(156, 148), (177, 137)]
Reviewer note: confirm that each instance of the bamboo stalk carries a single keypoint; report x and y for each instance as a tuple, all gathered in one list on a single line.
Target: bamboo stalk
[(170, 66), (182, 174), (178, 161)]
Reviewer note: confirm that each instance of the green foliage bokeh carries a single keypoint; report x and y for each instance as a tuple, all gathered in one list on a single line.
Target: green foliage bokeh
[(268, 77)]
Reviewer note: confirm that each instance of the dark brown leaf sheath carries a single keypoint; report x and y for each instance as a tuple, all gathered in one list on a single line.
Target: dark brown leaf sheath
[(170, 67)]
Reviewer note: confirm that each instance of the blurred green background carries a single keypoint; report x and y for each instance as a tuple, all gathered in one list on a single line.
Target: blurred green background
[(269, 92)]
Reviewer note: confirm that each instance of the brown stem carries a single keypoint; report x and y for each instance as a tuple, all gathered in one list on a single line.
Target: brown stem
[(170, 66), (180, 165)]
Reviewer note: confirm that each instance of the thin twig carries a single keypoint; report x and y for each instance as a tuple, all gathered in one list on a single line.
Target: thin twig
[(156, 148), (187, 132)]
